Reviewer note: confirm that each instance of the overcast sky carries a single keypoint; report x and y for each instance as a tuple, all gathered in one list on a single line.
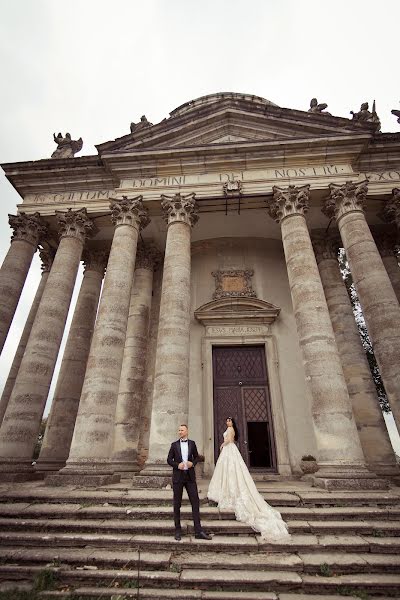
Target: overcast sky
[(91, 67)]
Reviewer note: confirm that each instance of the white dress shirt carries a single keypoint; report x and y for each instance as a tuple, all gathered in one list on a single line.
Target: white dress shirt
[(184, 452)]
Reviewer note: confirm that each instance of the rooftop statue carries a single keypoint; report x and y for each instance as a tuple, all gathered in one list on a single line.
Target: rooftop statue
[(396, 113), (66, 147), (364, 115), (318, 108), (143, 123)]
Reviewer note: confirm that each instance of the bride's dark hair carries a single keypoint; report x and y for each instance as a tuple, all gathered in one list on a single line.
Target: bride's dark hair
[(235, 428)]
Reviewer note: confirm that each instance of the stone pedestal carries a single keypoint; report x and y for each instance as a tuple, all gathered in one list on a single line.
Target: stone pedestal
[(91, 447), (61, 422), (15, 267), (130, 393), (47, 259), (374, 437), (171, 379), (340, 457), (21, 423), (379, 304)]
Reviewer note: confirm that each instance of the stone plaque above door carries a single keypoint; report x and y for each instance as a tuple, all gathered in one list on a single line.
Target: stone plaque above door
[(233, 284)]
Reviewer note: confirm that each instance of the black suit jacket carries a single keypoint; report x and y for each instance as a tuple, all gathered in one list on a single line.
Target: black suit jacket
[(175, 457)]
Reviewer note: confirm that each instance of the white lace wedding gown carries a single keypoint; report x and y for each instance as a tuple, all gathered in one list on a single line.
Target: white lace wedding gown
[(233, 488)]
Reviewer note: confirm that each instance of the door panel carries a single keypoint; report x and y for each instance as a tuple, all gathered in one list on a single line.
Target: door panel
[(241, 391)]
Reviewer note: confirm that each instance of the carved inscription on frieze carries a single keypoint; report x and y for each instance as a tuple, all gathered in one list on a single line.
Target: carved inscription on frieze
[(68, 197), (236, 330)]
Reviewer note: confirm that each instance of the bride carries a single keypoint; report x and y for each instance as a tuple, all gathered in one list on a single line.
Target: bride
[(232, 487)]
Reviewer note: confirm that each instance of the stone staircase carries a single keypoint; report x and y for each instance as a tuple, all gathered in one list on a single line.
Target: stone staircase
[(117, 542)]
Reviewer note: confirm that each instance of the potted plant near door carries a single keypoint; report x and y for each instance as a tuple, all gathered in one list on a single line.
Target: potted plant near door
[(308, 464)]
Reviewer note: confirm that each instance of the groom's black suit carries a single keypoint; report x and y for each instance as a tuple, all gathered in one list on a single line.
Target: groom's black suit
[(184, 479)]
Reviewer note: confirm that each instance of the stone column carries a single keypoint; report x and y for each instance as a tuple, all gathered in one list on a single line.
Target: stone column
[(371, 426), (386, 242), (130, 393), (340, 457), (391, 214), (47, 260), (171, 379), (378, 301), (61, 422), (21, 423), (146, 407), (27, 231), (92, 441)]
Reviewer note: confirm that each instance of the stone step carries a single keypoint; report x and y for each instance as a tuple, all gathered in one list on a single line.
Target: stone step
[(156, 526), (295, 497), (71, 510), (104, 593), (238, 580), (317, 563), (221, 526), (219, 543)]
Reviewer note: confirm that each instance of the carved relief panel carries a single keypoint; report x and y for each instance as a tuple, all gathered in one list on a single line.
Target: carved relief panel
[(233, 284)]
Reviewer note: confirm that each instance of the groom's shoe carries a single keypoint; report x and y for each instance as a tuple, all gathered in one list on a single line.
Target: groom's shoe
[(178, 536), (202, 535)]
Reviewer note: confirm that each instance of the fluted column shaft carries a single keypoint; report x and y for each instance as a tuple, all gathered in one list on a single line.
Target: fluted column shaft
[(27, 232), (171, 379), (61, 422), (340, 455), (130, 393), (92, 441), (46, 264), (379, 303), (21, 423), (370, 423)]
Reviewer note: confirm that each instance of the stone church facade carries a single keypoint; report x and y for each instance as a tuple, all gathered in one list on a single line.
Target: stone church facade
[(211, 289)]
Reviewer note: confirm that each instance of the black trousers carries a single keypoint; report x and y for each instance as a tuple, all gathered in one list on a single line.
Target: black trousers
[(191, 488)]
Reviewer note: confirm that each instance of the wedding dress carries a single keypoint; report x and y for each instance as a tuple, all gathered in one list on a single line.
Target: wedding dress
[(233, 488)]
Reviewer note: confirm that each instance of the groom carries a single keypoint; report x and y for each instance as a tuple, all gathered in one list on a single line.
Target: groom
[(182, 457)]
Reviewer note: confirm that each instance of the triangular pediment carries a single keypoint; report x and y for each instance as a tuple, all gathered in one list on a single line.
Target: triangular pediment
[(231, 120), (237, 310)]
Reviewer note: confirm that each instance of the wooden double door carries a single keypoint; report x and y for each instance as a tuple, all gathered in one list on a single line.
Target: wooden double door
[(241, 391)]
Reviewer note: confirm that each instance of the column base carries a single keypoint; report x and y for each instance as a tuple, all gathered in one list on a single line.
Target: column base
[(85, 474), (49, 465), (154, 475), (350, 484), (151, 481), (81, 479), (389, 470), (18, 472), (347, 477), (125, 469)]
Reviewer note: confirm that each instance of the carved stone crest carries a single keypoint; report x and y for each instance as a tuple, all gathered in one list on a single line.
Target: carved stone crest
[(233, 284), (232, 187)]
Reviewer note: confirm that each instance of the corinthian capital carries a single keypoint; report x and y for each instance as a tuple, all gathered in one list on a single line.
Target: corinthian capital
[(28, 228), (147, 257), (129, 211), (180, 208), (345, 198), (391, 210), (47, 257), (325, 246), (75, 223), (289, 201), (95, 260)]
